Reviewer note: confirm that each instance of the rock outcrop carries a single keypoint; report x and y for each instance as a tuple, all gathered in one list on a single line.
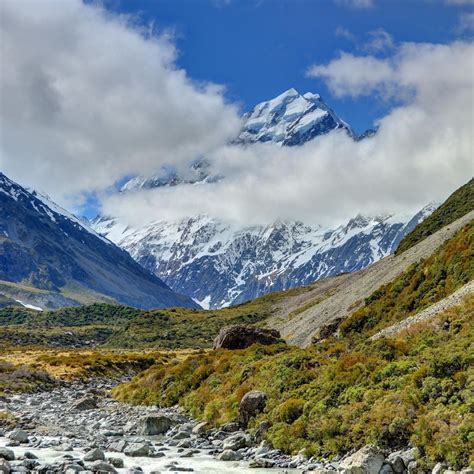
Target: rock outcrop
[(241, 337)]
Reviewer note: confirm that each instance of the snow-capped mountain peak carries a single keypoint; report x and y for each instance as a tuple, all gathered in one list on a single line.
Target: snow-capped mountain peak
[(290, 119)]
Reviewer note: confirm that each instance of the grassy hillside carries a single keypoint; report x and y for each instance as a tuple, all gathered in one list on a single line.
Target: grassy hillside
[(122, 326), (349, 391), (457, 205)]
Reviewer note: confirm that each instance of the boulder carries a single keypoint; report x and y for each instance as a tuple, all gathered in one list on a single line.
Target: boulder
[(397, 462), (252, 403), (4, 466), (21, 436), (94, 455), (200, 428), (7, 454), (368, 460), (241, 337), (230, 427), (116, 462), (84, 403), (155, 425), (102, 466), (386, 469), (118, 446), (229, 455), (236, 441), (137, 449)]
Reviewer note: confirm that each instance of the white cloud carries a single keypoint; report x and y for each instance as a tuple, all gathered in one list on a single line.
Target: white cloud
[(353, 75), (359, 4), (422, 151), (86, 98), (379, 41)]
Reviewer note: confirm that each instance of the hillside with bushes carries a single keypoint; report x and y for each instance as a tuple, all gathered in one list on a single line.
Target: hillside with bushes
[(348, 390)]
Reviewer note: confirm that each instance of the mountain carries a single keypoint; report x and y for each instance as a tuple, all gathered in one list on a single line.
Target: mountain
[(218, 264), (287, 120), (49, 258), (290, 119)]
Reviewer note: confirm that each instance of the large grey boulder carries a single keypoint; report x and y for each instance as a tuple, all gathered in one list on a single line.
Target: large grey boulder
[(7, 454), (229, 455), (94, 455), (200, 428), (252, 402), (137, 449), (21, 436), (155, 425), (368, 460), (84, 403), (236, 441), (241, 337)]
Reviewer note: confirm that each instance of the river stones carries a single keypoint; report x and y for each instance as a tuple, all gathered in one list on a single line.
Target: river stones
[(237, 441), (84, 403), (137, 449), (7, 454), (20, 436), (4, 466), (229, 455), (200, 428), (155, 424), (94, 455), (102, 466)]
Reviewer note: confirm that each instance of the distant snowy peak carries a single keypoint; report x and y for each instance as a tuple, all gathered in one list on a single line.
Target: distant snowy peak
[(219, 264), (290, 119)]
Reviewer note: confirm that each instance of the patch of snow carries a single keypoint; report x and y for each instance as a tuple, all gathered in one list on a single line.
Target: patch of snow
[(29, 306)]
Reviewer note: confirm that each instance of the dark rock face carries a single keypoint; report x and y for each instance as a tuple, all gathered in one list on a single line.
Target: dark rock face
[(252, 403), (50, 249), (241, 337)]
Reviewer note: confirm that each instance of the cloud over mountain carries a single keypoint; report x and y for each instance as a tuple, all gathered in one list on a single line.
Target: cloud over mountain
[(98, 99)]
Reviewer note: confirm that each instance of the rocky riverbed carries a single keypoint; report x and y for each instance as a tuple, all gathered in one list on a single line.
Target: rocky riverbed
[(79, 427)]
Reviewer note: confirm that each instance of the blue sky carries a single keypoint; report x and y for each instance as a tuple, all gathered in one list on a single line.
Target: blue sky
[(259, 48)]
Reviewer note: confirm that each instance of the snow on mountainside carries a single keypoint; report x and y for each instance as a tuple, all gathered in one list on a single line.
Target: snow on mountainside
[(49, 259), (290, 119), (219, 264)]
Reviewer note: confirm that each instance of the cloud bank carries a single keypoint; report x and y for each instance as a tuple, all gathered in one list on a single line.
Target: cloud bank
[(97, 99), (423, 150), (88, 97)]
